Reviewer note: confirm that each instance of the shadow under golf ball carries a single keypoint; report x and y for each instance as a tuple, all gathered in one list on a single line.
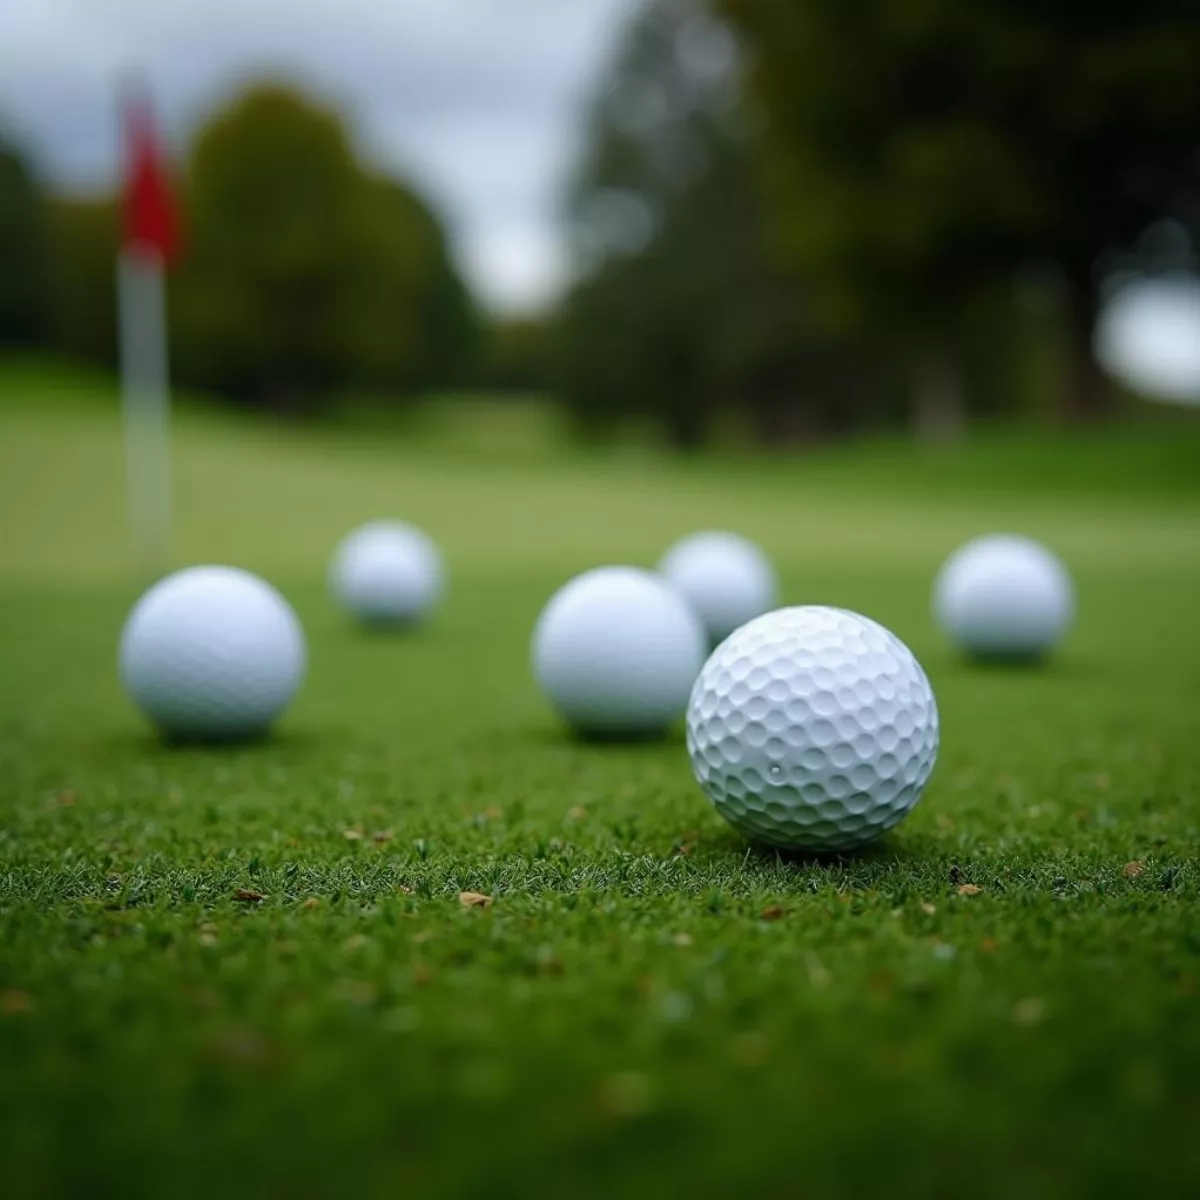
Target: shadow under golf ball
[(152, 742), (1006, 661), (882, 851), (672, 738), (1048, 667)]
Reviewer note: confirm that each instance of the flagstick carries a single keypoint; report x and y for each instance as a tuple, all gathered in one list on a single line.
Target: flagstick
[(146, 405)]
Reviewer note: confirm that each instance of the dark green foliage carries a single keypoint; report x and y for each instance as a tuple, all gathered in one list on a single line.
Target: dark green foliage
[(516, 355), (86, 240), (24, 254), (682, 313), (303, 274), (265, 306), (920, 153), (449, 328)]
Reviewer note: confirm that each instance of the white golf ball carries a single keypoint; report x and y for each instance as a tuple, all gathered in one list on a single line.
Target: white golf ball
[(727, 580), (212, 654), (1004, 596), (616, 651), (812, 729), (388, 573)]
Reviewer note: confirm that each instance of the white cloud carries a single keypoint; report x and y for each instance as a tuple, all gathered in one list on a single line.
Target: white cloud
[(478, 100)]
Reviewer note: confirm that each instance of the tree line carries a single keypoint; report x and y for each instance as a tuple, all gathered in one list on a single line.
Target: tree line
[(802, 217), (304, 273), (821, 215)]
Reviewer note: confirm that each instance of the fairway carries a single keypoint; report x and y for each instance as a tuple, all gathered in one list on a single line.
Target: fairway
[(253, 971)]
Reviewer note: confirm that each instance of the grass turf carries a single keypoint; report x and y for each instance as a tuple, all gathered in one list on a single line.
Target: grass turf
[(252, 969)]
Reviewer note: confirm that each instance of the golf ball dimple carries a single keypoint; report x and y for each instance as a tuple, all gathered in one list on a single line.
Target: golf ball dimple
[(812, 729), (727, 580), (212, 654), (387, 573), (616, 651), (1004, 596)]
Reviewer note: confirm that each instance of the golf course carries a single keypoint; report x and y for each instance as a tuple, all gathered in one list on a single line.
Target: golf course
[(422, 942)]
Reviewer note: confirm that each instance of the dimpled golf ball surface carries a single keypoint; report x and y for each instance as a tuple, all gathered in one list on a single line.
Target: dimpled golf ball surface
[(388, 573), (212, 654), (616, 652), (1004, 596), (727, 579), (812, 729)]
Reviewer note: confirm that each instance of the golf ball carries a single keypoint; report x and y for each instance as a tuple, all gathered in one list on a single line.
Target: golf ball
[(387, 573), (616, 651), (212, 654), (1004, 596), (812, 729), (727, 580)]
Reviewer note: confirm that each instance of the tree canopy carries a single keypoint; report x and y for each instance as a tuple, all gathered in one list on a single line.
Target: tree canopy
[(680, 312), (919, 153), (25, 287), (304, 272)]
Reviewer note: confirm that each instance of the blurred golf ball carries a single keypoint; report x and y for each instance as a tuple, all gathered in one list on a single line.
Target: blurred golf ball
[(388, 573), (1148, 337), (727, 580), (616, 651), (812, 729), (1004, 597), (212, 654)]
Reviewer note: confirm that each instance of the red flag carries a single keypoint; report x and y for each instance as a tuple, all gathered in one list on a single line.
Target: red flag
[(151, 217)]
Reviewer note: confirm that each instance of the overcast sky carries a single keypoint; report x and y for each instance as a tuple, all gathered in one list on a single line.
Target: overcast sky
[(476, 100)]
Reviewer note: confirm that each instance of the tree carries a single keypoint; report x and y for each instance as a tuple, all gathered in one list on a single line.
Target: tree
[(449, 334), (681, 311), (86, 239), (516, 355), (264, 304), (919, 154), (304, 273), (377, 300), (24, 254)]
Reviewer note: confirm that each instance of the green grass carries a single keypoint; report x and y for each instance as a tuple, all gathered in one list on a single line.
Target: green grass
[(623, 1019)]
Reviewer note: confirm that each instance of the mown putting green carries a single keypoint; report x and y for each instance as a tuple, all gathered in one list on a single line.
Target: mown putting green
[(274, 970)]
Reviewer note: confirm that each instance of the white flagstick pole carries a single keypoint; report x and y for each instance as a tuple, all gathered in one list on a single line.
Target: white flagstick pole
[(146, 405)]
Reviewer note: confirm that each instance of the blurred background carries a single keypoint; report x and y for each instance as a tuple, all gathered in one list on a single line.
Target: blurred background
[(681, 222)]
